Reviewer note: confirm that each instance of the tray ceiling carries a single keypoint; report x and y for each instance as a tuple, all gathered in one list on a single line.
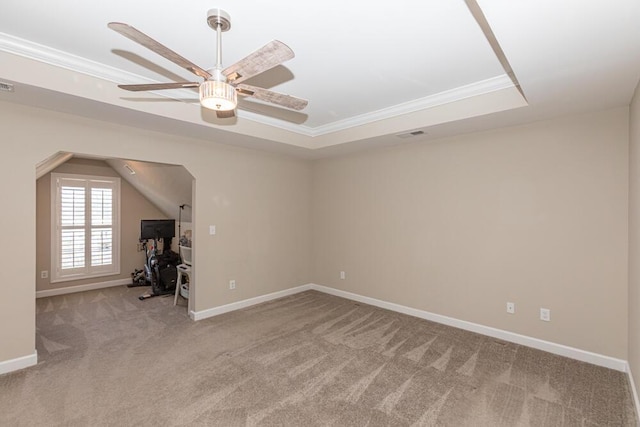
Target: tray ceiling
[(369, 71)]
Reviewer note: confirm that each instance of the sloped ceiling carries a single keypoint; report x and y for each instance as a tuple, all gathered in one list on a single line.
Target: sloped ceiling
[(166, 186), (370, 70), (50, 163)]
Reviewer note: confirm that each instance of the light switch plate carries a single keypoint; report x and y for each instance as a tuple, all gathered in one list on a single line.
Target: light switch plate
[(545, 314)]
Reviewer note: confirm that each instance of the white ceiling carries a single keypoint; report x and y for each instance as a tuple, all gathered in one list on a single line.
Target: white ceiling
[(166, 186), (370, 70)]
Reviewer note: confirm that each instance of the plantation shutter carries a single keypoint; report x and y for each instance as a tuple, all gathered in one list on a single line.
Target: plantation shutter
[(84, 226), (101, 226), (72, 218)]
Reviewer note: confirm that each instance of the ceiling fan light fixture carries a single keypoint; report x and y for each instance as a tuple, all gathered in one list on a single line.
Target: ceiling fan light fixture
[(219, 91), (218, 95)]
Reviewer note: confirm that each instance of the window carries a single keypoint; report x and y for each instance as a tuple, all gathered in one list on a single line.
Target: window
[(85, 229)]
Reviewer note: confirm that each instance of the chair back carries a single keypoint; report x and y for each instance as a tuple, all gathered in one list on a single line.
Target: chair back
[(185, 253)]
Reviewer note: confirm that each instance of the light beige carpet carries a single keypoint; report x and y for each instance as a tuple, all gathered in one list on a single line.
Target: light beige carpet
[(311, 359)]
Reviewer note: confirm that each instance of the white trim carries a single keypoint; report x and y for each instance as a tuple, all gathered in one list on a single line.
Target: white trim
[(88, 183), (81, 288), (50, 163), (11, 365), (559, 349), (634, 390), (478, 88), (58, 58), (215, 311)]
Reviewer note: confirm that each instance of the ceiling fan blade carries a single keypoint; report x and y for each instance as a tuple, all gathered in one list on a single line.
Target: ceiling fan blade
[(268, 56), (272, 97), (137, 36), (225, 114), (158, 86)]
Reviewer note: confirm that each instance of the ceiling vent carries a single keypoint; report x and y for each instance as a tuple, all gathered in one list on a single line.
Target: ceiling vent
[(7, 87), (411, 134)]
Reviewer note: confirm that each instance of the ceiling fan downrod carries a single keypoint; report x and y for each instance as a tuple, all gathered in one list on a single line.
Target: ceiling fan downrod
[(215, 92), (220, 21)]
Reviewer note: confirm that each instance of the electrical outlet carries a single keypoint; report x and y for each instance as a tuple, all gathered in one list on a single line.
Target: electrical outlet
[(545, 314), (232, 284), (44, 274), (343, 275), (212, 230), (511, 308)]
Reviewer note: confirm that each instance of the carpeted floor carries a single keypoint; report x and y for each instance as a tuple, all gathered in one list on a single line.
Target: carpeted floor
[(310, 359)]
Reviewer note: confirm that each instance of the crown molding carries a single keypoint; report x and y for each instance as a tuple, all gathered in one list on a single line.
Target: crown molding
[(38, 52), (463, 92), (59, 58)]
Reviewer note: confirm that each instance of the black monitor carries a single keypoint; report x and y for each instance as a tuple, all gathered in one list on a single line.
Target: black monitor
[(157, 229)]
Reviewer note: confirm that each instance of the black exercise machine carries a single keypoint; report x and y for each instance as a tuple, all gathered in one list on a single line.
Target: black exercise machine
[(160, 266)]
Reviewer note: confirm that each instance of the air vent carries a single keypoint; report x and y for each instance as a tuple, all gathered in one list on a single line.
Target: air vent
[(411, 134), (7, 87), (130, 169)]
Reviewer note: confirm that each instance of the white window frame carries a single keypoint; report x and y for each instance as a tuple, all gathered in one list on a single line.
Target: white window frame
[(87, 271)]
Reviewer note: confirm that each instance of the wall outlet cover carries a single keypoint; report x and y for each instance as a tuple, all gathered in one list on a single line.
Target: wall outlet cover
[(511, 308)]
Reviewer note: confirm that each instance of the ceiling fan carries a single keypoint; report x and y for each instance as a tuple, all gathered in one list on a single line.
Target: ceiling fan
[(220, 87)]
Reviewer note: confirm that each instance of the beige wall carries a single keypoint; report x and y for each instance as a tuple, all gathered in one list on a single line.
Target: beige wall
[(534, 214), (634, 237), (133, 207), (259, 203)]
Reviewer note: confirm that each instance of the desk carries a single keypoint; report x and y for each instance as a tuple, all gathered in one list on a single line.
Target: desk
[(183, 270)]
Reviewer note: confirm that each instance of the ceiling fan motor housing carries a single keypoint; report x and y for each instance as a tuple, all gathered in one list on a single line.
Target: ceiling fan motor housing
[(218, 17)]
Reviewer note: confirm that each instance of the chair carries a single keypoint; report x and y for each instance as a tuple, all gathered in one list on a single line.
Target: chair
[(184, 269)]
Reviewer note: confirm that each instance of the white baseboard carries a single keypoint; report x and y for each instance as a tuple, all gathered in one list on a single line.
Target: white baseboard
[(11, 365), (559, 349), (634, 390), (215, 311), (81, 288)]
